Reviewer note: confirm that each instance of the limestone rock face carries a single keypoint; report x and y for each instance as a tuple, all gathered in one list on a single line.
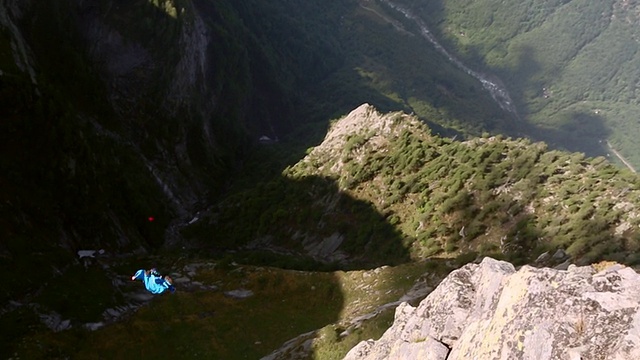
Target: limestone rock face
[(491, 311)]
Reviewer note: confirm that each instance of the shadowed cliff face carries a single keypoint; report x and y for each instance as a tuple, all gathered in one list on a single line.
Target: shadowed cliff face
[(128, 110), (135, 109), (119, 120), (112, 127)]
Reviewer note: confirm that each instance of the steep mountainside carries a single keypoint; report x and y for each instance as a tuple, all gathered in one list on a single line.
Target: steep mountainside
[(381, 189), (120, 119), (571, 66), (115, 112), (98, 152), (187, 135)]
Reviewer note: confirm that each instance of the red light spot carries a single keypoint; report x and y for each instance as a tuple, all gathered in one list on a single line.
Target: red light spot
[(151, 218)]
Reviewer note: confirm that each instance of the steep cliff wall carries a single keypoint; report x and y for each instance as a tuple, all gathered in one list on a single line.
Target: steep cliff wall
[(122, 119), (112, 131)]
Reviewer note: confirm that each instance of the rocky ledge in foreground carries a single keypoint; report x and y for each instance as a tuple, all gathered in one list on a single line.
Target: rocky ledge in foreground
[(491, 311)]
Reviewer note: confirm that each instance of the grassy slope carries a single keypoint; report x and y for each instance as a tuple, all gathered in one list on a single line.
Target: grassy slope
[(207, 323)]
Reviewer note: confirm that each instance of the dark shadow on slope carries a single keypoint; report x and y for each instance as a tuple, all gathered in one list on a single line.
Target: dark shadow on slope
[(73, 177), (308, 219), (286, 223), (359, 55), (66, 184), (303, 224), (574, 128), (579, 131)]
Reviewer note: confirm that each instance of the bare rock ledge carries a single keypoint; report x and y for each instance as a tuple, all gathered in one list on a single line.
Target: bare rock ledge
[(491, 311)]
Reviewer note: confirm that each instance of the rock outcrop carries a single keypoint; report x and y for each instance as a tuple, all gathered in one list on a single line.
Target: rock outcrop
[(491, 311)]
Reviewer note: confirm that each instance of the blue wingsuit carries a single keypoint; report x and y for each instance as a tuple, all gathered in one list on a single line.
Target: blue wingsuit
[(154, 282)]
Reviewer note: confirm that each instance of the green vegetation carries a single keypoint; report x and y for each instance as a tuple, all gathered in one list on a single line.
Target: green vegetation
[(208, 323), (312, 61), (561, 60), (417, 195), (284, 213), (574, 95)]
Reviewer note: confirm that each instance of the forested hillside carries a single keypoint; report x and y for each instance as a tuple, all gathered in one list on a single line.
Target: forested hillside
[(433, 197), (572, 66)]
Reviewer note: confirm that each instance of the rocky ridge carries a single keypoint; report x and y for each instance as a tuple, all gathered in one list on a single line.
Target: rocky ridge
[(504, 197), (491, 311), (365, 120)]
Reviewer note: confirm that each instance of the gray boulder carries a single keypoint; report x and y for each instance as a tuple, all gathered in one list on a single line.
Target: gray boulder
[(491, 311)]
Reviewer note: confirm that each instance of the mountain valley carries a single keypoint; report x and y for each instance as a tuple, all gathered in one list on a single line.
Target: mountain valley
[(299, 168)]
